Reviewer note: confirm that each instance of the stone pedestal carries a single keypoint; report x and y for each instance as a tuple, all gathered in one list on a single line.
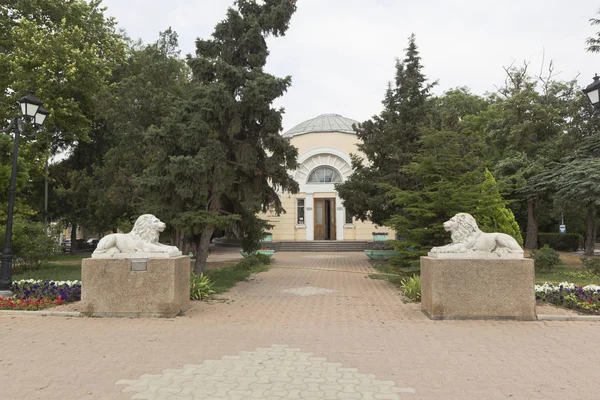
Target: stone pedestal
[(135, 288), (477, 288)]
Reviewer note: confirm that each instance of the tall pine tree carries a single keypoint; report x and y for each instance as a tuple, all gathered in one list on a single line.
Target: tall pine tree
[(220, 158), (389, 141)]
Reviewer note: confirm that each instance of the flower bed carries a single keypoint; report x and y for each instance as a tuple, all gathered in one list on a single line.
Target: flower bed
[(30, 294), (11, 303), (569, 295), (36, 289)]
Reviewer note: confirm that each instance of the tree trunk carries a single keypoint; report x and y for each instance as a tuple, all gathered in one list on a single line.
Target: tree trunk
[(73, 238), (532, 226), (590, 240), (202, 247)]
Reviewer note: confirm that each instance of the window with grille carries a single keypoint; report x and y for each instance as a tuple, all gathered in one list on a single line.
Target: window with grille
[(349, 219), (300, 212)]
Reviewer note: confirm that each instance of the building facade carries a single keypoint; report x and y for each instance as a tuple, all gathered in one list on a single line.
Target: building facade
[(317, 212)]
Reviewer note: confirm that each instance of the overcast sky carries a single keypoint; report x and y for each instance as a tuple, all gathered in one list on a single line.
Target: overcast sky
[(341, 53)]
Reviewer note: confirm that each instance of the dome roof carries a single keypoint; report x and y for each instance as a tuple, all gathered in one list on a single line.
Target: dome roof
[(323, 123)]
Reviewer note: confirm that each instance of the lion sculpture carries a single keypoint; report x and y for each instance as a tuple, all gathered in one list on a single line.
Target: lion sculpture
[(467, 238), (142, 241)]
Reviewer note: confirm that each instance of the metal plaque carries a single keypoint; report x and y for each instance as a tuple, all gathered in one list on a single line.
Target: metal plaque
[(140, 264)]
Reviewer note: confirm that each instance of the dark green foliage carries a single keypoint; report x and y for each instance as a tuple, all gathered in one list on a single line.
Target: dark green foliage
[(388, 141), (526, 132), (253, 260), (545, 259), (593, 43), (219, 158), (561, 241), (591, 264), (445, 185)]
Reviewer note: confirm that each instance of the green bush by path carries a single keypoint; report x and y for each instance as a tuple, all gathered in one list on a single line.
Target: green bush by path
[(545, 259)]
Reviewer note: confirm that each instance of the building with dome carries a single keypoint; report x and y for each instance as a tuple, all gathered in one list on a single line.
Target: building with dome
[(317, 212)]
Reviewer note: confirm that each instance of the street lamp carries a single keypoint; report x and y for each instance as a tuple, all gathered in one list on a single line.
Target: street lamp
[(34, 114), (593, 91)]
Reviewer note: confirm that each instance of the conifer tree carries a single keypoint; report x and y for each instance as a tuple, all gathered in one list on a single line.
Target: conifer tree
[(388, 141), (220, 157)]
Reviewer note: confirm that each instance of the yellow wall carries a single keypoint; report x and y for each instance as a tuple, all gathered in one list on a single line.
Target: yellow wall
[(285, 227), (345, 142)]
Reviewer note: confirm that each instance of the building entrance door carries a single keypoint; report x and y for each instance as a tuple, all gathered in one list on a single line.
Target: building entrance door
[(325, 219)]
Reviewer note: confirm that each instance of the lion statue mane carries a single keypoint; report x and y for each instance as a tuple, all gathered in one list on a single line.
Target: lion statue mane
[(143, 239), (468, 238)]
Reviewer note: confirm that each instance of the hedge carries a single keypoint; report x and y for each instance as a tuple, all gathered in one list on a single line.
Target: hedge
[(561, 241)]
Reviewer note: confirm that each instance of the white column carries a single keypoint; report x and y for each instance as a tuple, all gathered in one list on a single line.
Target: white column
[(309, 216), (340, 218)]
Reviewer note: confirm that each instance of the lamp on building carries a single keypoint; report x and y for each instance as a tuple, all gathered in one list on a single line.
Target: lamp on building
[(593, 91), (35, 115)]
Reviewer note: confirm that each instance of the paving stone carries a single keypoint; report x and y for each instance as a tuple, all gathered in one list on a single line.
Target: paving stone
[(360, 330)]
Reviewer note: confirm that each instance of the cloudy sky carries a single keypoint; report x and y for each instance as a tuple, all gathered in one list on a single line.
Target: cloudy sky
[(341, 53)]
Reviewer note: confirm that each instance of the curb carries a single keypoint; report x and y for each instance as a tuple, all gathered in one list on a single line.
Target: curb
[(552, 317), (42, 313)]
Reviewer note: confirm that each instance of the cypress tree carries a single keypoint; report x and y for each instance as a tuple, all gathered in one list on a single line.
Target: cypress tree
[(492, 213)]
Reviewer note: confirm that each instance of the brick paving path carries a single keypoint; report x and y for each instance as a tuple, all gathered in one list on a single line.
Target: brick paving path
[(312, 333)]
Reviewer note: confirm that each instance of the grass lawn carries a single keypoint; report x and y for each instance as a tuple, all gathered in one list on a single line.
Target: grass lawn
[(226, 277), (571, 270), (63, 267), (66, 267), (389, 273)]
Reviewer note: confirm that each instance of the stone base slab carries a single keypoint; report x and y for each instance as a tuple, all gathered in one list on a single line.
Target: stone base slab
[(112, 288), (478, 289)]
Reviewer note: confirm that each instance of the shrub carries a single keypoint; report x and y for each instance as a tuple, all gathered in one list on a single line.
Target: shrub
[(32, 244), (591, 264), (253, 261), (561, 241), (545, 259), (412, 287), (200, 287)]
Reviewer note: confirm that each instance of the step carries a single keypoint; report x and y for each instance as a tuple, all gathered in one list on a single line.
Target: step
[(320, 246)]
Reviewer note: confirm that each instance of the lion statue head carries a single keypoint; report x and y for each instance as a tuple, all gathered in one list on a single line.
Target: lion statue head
[(148, 227), (461, 227)]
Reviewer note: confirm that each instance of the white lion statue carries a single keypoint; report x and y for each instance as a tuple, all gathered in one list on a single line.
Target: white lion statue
[(142, 241), (467, 238)]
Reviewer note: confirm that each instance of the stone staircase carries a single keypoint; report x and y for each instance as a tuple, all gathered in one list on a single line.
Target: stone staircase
[(321, 246)]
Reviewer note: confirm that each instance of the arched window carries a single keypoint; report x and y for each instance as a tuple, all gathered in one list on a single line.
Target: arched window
[(324, 175)]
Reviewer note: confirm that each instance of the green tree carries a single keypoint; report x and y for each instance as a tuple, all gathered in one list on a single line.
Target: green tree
[(220, 156), (64, 51), (446, 183), (492, 213), (575, 180), (593, 43), (146, 90), (388, 141), (528, 122)]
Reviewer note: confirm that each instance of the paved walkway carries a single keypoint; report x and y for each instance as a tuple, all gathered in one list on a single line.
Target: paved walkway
[(322, 332)]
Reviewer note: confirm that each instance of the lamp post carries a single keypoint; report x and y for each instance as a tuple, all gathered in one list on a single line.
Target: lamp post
[(34, 114), (593, 91)]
